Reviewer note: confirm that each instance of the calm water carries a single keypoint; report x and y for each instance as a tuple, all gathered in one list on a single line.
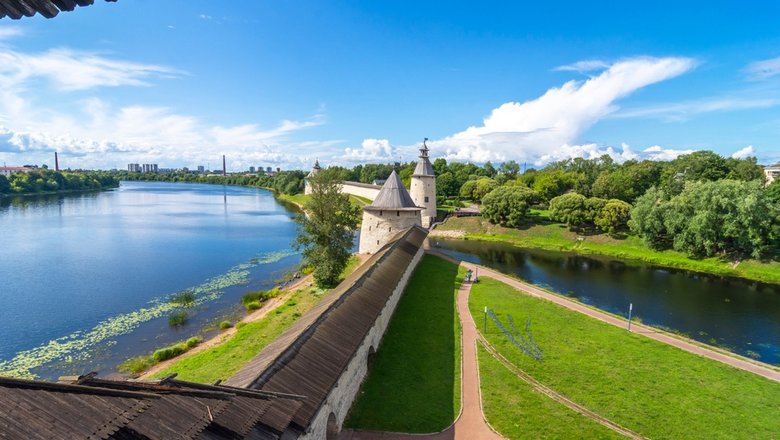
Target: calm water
[(740, 315), (85, 279)]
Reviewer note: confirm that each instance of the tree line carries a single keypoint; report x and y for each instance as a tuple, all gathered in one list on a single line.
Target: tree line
[(43, 180)]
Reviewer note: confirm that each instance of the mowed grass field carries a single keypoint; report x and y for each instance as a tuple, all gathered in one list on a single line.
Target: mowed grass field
[(413, 384), (651, 388), (543, 234)]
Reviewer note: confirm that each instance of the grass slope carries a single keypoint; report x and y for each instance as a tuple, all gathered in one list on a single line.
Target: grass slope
[(651, 388), (414, 382), (555, 236), (532, 415), (225, 359)]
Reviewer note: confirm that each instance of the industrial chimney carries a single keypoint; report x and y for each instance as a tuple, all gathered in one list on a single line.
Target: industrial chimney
[(56, 162), (224, 169)]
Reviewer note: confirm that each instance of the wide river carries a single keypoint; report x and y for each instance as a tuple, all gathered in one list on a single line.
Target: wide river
[(85, 279), (742, 316)]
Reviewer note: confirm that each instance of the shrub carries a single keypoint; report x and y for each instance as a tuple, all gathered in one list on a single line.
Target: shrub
[(193, 341), (570, 209), (186, 298), (169, 352), (508, 205), (178, 319), (240, 324), (136, 365), (252, 305), (224, 325)]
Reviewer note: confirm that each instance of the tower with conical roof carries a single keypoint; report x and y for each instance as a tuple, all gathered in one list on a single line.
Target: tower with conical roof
[(423, 187), (314, 170), (392, 211)]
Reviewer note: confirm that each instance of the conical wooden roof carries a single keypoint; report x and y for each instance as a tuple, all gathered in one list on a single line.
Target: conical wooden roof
[(393, 195)]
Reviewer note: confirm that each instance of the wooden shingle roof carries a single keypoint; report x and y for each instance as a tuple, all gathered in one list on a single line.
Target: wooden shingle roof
[(17, 9), (393, 196), (311, 356)]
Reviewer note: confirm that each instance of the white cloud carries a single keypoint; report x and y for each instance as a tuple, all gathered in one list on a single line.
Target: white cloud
[(205, 17), (10, 32), (746, 152), (765, 69), (657, 152), (530, 130), (583, 66), (70, 70), (684, 110), (371, 150), (588, 151)]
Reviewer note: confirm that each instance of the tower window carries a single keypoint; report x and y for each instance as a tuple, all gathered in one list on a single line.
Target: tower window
[(377, 242), (380, 213), (426, 199), (398, 213), (369, 228), (390, 229)]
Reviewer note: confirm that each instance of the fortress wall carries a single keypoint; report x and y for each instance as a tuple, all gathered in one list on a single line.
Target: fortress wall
[(340, 399), (361, 190)]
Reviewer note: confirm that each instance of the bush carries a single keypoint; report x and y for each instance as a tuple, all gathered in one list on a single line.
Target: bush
[(136, 365), (240, 324), (252, 305), (178, 319), (253, 300), (169, 352), (193, 341), (224, 325), (570, 209), (186, 298)]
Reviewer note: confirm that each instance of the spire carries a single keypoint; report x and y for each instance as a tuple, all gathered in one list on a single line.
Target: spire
[(424, 167), (393, 195), (315, 169)]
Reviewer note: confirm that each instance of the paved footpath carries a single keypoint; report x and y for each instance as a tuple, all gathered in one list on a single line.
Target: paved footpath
[(471, 424), (740, 363)]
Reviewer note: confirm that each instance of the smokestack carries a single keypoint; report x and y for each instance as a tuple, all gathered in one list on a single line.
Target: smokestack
[(56, 162), (224, 169)]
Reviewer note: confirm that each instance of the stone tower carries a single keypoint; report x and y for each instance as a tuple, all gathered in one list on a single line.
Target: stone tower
[(314, 170), (423, 187), (393, 211)]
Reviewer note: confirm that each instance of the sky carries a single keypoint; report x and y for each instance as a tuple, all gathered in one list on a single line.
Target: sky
[(179, 83)]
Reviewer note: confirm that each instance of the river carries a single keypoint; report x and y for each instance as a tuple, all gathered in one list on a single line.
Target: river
[(85, 279), (740, 315)]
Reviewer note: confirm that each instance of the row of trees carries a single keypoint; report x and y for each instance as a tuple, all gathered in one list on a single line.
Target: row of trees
[(286, 182), (44, 180)]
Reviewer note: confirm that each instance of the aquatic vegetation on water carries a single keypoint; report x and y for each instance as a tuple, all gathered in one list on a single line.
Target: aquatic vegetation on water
[(80, 344)]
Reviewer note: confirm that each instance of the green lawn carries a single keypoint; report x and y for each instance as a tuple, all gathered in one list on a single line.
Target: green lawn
[(649, 387), (413, 383), (515, 410), (555, 236)]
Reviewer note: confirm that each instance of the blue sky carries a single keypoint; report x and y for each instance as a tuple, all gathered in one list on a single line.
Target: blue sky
[(181, 82)]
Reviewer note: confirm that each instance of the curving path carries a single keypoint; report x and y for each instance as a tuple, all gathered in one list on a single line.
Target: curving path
[(470, 424)]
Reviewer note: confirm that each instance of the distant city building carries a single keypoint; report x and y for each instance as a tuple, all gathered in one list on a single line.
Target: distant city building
[(201, 169), (278, 170), (134, 168), (251, 169), (771, 173), (149, 168), (268, 169), (7, 171)]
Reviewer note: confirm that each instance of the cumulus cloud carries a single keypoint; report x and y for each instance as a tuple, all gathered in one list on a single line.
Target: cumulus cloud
[(746, 152), (764, 69), (10, 32), (375, 150), (530, 130), (657, 152)]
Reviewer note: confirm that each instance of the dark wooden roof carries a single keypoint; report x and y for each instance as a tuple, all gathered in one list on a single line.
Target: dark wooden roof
[(17, 9), (313, 353), (393, 196), (91, 408)]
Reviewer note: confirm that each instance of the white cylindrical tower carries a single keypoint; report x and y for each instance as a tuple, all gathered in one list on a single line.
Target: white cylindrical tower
[(314, 170), (423, 187), (392, 211)]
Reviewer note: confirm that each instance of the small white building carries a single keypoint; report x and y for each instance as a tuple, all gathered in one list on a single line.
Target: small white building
[(314, 170), (392, 211), (7, 171), (772, 173)]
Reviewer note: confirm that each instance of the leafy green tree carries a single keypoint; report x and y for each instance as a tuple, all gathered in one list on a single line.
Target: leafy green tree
[(593, 207), (627, 182), (647, 218), (5, 185), (326, 231), (570, 209), (552, 183), (613, 216), (510, 169), (508, 206), (490, 170), (445, 185), (483, 187), (467, 189), (744, 169)]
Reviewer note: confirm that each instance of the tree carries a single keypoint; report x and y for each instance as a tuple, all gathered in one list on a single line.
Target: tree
[(467, 189), (326, 231), (483, 187), (613, 216), (569, 208), (552, 183), (490, 170), (647, 218), (507, 205), (5, 186), (510, 169)]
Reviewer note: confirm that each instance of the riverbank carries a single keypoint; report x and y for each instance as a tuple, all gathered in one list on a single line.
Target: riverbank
[(56, 193), (556, 237), (222, 355)]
